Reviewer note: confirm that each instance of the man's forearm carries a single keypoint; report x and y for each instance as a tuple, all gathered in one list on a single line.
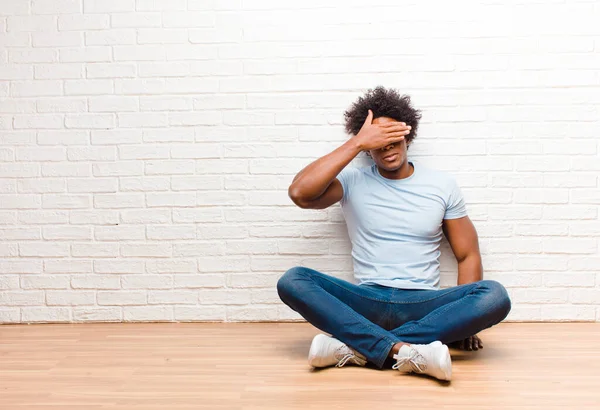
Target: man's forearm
[(470, 269), (313, 180)]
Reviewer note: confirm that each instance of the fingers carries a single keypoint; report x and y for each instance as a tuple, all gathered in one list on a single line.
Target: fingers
[(369, 118), (395, 137), (396, 128), (393, 124)]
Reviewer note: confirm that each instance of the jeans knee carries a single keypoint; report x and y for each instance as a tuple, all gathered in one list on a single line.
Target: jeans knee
[(287, 282), (497, 300)]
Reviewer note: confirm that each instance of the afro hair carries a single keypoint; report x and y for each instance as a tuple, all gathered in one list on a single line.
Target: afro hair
[(384, 103)]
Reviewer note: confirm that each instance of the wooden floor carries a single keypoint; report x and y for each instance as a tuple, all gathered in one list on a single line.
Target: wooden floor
[(263, 366)]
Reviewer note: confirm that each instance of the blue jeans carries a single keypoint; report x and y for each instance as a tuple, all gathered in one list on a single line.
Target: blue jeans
[(372, 318)]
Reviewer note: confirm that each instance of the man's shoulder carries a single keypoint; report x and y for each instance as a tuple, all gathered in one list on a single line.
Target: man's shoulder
[(442, 179)]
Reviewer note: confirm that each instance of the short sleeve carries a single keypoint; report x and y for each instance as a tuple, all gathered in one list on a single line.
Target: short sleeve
[(455, 205), (347, 178)]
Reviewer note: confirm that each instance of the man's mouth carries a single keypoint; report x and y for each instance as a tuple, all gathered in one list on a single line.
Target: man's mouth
[(391, 157)]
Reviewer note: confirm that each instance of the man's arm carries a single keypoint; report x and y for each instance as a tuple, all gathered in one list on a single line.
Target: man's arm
[(462, 236), (316, 186)]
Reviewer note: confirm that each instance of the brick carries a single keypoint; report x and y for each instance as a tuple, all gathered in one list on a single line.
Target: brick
[(200, 281), (146, 151), (166, 103), (230, 264), (65, 201), (113, 104), (252, 313), (167, 233), (110, 37), (121, 168), (570, 279), (172, 297), (252, 280), (40, 55), (43, 217), (90, 87), (41, 154), (58, 71), (13, 315), (108, 6), (194, 183), (171, 199), (92, 185), (45, 314), (90, 121), (45, 282), (70, 298), (85, 54), (9, 282), (222, 231), (200, 215), (148, 313), (114, 137), (67, 266), (66, 169), (41, 121), (96, 217), (198, 249), (95, 250), (143, 120), (67, 233), (139, 53), (568, 313), (95, 281), (56, 6), (199, 314), (42, 185), (15, 72), (118, 266), (146, 216), (136, 19), (82, 22), (121, 298), (58, 105), (119, 233), (146, 250), (57, 39), (119, 200), (94, 314), (570, 245), (171, 266), (62, 137), (20, 201), (224, 297), (144, 184), (21, 298)]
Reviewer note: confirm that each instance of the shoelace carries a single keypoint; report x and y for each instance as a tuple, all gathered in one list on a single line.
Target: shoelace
[(416, 360), (348, 355), (345, 360)]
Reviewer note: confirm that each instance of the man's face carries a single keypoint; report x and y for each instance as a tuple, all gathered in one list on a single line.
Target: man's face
[(392, 156)]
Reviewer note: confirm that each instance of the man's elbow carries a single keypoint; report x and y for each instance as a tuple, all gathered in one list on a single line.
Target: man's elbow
[(297, 198)]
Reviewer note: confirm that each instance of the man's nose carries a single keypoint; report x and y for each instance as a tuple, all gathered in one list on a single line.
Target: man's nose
[(387, 147)]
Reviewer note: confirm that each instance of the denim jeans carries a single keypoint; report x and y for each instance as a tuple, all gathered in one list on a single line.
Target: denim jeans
[(372, 318)]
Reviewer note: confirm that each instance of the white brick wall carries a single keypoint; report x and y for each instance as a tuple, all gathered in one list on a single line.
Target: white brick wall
[(146, 147)]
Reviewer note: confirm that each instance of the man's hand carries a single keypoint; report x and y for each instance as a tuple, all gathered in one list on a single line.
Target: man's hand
[(374, 136), (470, 343)]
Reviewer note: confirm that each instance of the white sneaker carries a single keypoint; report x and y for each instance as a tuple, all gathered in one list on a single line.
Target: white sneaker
[(326, 351), (432, 359)]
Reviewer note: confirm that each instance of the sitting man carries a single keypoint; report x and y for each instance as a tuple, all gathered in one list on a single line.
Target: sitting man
[(396, 212)]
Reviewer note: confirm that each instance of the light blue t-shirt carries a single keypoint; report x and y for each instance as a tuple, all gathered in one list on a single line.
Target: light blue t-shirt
[(395, 225)]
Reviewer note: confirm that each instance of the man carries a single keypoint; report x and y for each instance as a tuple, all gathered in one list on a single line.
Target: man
[(396, 212)]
